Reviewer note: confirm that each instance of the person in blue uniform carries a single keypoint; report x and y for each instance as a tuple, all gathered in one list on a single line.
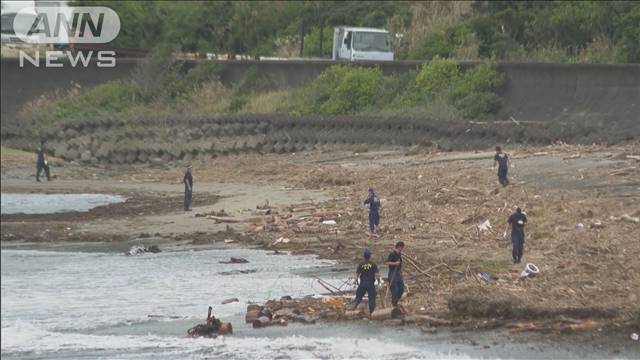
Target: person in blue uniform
[(396, 281), (501, 159), (374, 216), (188, 188), (42, 163), (517, 220), (366, 275)]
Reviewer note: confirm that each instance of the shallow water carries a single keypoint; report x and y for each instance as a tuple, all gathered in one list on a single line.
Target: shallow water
[(70, 304), (13, 203)]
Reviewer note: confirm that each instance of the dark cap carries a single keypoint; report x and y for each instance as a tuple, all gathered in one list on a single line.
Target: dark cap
[(367, 254)]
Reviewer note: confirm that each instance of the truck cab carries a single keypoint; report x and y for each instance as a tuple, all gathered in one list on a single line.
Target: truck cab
[(357, 44)]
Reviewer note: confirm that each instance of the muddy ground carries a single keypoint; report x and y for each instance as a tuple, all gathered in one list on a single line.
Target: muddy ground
[(582, 203)]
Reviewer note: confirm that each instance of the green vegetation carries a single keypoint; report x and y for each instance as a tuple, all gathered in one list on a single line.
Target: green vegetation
[(556, 31), (162, 85)]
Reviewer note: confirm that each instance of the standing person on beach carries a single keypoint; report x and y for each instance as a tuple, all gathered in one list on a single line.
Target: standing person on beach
[(42, 162), (374, 216), (517, 220), (501, 159), (188, 188), (366, 275), (396, 281)]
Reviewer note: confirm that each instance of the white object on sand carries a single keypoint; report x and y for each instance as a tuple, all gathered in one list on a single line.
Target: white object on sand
[(530, 269)]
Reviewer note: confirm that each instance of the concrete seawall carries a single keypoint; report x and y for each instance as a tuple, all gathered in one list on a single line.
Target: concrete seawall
[(608, 95), (183, 138)]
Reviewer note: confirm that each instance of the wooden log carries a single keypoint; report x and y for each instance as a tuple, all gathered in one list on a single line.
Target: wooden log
[(252, 315), (226, 219), (264, 321), (354, 314), (430, 320), (386, 314)]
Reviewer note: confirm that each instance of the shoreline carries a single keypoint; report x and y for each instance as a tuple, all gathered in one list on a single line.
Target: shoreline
[(271, 209)]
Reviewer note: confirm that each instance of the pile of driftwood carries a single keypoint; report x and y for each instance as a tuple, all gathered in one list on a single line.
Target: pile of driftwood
[(211, 328), (294, 219), (308, 310)]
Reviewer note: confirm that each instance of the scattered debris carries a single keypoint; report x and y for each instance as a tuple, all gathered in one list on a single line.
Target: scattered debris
[(236, 272), (139, 250), (235, 261), (626, 217), (485, 226), (229, 241), (329, 222), (229, 301), (529, 270), (635, 336), (484, 276), (280, 240)]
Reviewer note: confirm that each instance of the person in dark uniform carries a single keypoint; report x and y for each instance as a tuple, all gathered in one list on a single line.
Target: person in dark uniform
[(517, 220), (396, 282), (366, 275), (374, 216), (188, 188), (502, 160), (42, 163)]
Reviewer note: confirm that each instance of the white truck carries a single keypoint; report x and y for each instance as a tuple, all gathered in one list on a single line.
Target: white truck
[(357, 44)]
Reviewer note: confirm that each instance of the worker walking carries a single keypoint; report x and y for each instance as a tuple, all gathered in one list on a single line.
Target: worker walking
[(374, 216), (42, 162), (366, 275), (188, 188), (396, 281), (517, 220), (501, 159)]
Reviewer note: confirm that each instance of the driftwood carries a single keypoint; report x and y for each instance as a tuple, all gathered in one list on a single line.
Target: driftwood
[(235, 261), (430, 320), (386, 314), (354, 314), (226, 219), (264, 321), (413, 263)]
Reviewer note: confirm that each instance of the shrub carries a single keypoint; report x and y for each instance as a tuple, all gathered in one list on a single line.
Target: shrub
[(474, 92), (355, 92), (312, 43), (436, 76), (435, 44), (478, 104), (340, 89), (237, 103)]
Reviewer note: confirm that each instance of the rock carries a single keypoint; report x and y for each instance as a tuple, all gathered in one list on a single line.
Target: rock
[(228, 301)]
